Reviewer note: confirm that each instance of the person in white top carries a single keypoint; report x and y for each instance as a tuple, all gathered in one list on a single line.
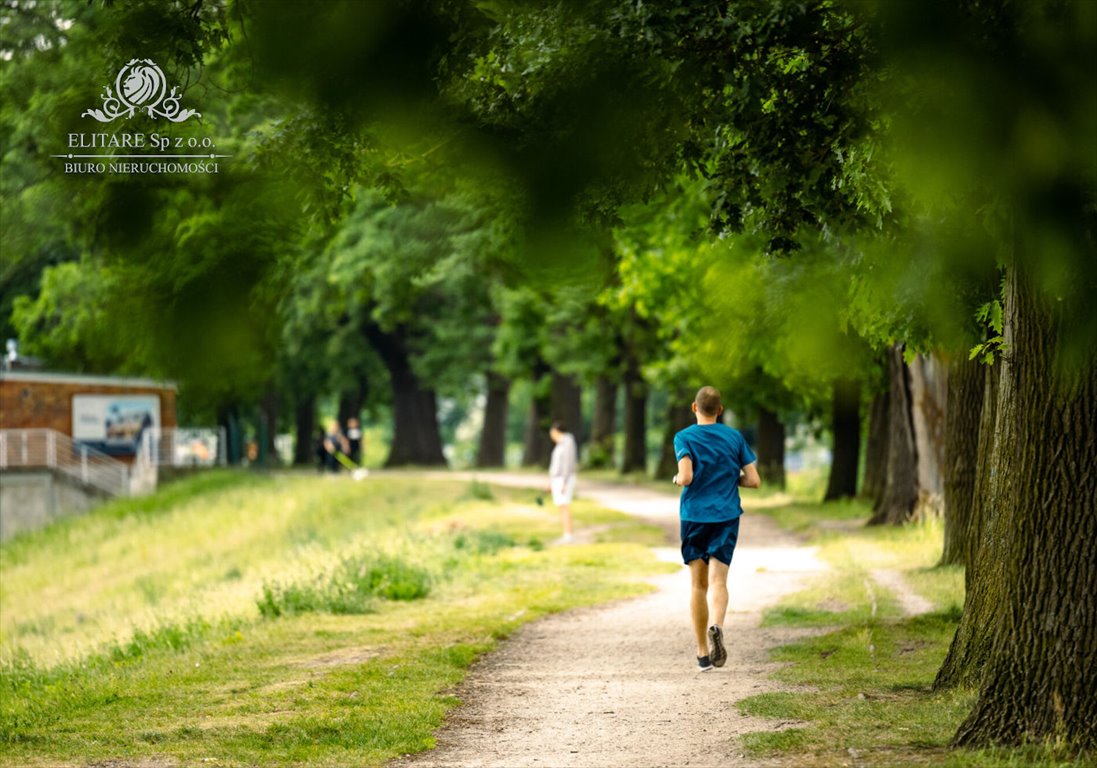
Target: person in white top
[(563, 470)]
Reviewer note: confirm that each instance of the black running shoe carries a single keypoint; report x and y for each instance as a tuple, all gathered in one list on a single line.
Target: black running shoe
[(717, 651), (703, 664)]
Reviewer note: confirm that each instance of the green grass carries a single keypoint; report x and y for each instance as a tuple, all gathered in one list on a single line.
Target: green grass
[(139, 632), (863, 685)]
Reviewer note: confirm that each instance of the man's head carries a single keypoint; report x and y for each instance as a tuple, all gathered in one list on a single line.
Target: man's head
[(707, 403), (557, 430)]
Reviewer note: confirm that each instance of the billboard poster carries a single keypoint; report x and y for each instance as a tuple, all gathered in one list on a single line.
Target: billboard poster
[(114, 423)]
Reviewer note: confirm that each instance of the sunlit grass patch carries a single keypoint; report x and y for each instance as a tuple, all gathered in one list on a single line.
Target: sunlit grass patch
[(175, 643), (815, 518), (870, 692), (865, 687), (96, 579)]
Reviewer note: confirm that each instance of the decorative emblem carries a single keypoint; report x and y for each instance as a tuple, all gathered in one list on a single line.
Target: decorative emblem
[(140, 85)]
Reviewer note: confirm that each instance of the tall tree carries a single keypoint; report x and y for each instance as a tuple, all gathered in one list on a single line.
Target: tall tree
[(492, 446), (846, 425), (901, 480), (963, 427), (1007, 68)]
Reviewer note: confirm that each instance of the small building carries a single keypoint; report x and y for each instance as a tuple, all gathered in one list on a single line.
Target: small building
[(107, 413), (68, 441)]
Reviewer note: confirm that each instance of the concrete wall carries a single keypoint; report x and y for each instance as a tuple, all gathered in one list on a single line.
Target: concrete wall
[(32, 499)]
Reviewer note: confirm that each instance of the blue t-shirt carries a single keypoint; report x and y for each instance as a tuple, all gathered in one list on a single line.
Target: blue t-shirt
[(718, 453)]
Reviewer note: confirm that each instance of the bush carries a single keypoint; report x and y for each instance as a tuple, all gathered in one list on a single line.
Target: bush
[(351, 588), (479, 490), (483, 542)]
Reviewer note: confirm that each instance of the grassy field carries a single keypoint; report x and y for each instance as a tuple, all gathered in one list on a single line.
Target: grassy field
[(862, 684), (244, 619)]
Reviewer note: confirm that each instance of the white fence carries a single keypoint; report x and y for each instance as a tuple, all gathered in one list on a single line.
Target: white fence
[(47, 448)]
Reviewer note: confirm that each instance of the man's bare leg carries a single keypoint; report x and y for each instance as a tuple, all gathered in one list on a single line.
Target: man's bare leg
[(718, 591), (565, 516), (698, 603)]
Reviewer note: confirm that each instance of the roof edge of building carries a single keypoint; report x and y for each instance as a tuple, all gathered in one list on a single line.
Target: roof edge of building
[(91, 380)]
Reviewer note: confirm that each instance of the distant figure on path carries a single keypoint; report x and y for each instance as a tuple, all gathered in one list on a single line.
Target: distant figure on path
[(713, 461), (334, 443), (563, 470), (354, 441)]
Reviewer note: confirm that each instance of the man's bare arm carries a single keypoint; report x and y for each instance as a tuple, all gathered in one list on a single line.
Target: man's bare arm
[(685, 471), (749, 478)]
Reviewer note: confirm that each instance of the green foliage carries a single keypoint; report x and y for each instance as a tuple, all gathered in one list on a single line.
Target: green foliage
[(351, 588), (990, 314), (168, 637), (483, 542), (480, 490)]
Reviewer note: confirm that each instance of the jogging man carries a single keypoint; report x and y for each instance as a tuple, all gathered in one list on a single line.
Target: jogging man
[(713, 462)]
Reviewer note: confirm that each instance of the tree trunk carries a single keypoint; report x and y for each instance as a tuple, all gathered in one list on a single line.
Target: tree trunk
[(415, 435), (971, 644), (636, 403), (1041, 672), (567, 405), (679, 416), (929, 393), (966, 384), (268, 449), (901, 485), (304, 420), (537, 445), (229, 419), (492, 451), (846, 426), (350, 404), (876, 450), (604, 425), (771, 449)]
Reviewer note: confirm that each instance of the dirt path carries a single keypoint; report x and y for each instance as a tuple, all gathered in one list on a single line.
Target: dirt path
[(910, 602), (617, 685)]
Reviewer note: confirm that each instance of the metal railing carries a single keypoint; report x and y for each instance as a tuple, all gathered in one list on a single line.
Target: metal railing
[(182, 447), (47, 448)]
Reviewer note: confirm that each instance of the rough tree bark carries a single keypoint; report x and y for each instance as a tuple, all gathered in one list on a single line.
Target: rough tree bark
[(846, 426), (971, 644), (1041, 672), (492, 450), (416, 438), (901, 486), (636, 403), (604, 424), (876, 450), (966, 384), (679, 416), (928, 399), (771, 449)]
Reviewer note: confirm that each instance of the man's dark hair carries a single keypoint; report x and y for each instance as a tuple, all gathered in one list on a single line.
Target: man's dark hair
[(708, 401), (560, 425)]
